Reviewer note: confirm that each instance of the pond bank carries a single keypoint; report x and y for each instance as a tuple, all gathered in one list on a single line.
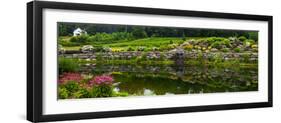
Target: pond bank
[(155, 55)]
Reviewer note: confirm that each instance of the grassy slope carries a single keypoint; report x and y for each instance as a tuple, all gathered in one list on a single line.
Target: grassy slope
[(147, 42)]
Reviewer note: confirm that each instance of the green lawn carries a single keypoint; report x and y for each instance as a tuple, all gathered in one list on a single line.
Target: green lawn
[(72, 48), (146, 42)]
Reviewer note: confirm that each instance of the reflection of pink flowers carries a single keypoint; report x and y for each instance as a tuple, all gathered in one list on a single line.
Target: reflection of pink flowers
[(99, 80), (65, 77)]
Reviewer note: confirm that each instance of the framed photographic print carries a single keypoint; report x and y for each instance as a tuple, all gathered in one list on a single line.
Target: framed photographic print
[(95, 61)]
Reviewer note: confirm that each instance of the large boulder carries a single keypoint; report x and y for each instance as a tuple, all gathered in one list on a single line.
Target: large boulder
[(214, 50), (87, 49), (177, 53)]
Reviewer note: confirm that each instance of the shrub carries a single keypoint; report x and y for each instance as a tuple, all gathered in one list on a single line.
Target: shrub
[(216, 45), (130, 49), (172, 46), (68, 65), (71, 87), (188, 47), (116, 49), (214, 39), (254, 46), (226, 42), (253, 35), (225, 49), (242, 38), (163, 47), (171, 42), (63, 93), (138, 32), (237, 49), (66, 77), (102, 86), (102, 91), (101, 80), (155, 48), (79, 39), (82, 93), (141, 48)]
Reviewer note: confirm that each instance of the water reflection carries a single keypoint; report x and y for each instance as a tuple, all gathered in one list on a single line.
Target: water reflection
[(169, 80)]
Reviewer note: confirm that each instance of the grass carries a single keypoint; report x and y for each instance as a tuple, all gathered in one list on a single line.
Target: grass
[(171, 62), (127, 62), (72, 48), (146, 42)]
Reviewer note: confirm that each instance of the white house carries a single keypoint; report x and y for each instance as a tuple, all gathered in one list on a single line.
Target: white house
[(78, 32)]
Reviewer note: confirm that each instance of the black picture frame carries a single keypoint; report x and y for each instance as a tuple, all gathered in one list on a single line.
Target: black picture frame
[(35, 69)]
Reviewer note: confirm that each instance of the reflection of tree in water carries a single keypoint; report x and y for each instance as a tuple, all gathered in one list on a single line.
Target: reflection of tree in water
[(177, 79)]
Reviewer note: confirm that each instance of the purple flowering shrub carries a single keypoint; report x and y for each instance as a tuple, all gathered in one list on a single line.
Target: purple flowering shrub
[(66, 77), (73, 85), (102, 86), (101, 80)]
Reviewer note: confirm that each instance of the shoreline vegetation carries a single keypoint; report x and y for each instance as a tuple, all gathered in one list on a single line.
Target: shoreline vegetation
[(192, 62), (103, 60)]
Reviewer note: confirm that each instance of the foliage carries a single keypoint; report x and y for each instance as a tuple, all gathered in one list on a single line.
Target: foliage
[(130, 49), (66, 77), (66, 29), (237, 49), (139, 32), (242, 38), (63, 93), (79, 39), (253, 35), (71, 86), (217, 58), (246, 57), (225, 49), (67, 65), (101, 80), (103, 90), (82, 93), (183, 37), (188, 47), (110, 38)]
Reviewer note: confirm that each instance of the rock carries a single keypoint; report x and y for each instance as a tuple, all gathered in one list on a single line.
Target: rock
[(87, 49), (185, 44), (107, 49), (214, 50), (61, 49)]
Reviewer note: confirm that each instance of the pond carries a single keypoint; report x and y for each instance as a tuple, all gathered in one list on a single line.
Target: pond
[(143, 80)]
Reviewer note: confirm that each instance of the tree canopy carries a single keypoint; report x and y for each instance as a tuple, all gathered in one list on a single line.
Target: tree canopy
[(66, 29)]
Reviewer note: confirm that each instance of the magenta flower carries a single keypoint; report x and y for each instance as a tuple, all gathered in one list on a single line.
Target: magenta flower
[(66, 77), (99, 80)]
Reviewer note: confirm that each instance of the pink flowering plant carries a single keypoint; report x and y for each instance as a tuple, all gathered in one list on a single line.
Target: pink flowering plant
[(102, 86), (74, 85), (101, 80), (66, 77)]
